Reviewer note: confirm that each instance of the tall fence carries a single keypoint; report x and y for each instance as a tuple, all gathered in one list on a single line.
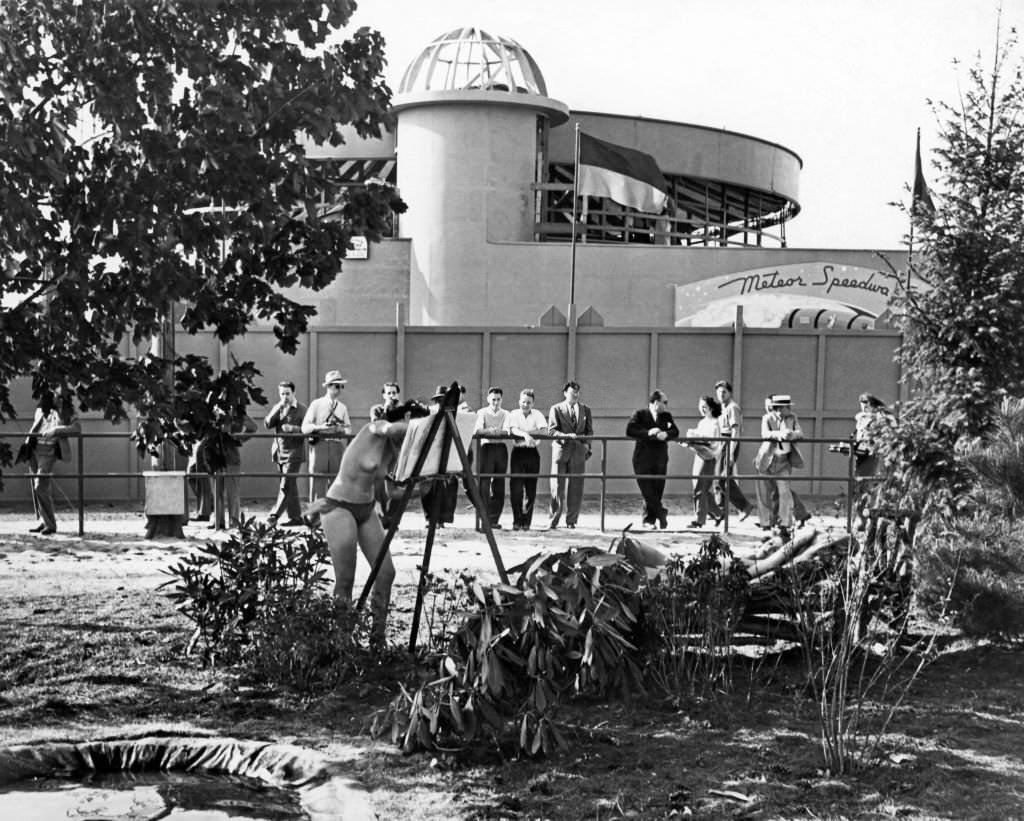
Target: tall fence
[(823, 370)]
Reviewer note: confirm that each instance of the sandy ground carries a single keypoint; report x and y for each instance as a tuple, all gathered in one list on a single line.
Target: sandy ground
[(114, 552), (92, 654)]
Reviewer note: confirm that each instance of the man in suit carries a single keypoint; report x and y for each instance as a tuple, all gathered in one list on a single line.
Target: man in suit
[(326, 424), (288, 452), (570, 424), (652, 428), (775, 460)]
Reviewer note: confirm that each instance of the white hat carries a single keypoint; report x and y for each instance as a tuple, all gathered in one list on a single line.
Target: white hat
[(781, 399), (334, 377)]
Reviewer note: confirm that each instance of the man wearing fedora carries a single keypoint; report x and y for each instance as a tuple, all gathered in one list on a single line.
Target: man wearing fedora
[(325, 426)]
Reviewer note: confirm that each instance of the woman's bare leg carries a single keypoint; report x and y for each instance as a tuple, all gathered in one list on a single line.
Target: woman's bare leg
[(340, 531)]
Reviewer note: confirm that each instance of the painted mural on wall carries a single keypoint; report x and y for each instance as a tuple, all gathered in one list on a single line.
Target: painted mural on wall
[(808, 294)]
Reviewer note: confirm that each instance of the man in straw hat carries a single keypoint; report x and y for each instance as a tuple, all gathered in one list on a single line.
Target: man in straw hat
[(325, 425), (775, 460)]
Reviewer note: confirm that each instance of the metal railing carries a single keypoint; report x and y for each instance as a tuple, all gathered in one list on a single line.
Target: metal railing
[(848, 447), (850, 479)]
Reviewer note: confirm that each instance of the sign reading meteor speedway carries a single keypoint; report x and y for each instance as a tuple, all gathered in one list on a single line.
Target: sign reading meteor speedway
[(782, 288)]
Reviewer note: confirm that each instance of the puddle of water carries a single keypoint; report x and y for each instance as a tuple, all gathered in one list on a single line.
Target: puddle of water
[(128, 796)]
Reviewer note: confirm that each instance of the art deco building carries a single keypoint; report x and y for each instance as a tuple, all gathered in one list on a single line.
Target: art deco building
[(483, 156)]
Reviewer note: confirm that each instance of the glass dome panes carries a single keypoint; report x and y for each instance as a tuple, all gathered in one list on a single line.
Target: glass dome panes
[(471, 59)]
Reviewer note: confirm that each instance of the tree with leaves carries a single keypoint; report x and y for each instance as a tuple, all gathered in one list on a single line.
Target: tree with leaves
[(963, 350), (152, 161)]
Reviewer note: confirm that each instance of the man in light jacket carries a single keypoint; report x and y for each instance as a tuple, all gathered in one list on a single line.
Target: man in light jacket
[(326, 426), (775, 460)]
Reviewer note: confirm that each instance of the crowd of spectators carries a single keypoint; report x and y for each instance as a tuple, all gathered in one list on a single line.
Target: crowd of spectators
[(509, 455)]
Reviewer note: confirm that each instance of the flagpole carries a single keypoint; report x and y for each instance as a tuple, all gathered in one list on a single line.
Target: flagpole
[(572, 244), (913, 211)]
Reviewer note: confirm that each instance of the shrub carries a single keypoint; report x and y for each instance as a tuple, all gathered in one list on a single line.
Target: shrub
[(565, 628), (445, 605), (971, 571), (258, 599), (309, 642), (851, 620), (997, 461), (690, 612)]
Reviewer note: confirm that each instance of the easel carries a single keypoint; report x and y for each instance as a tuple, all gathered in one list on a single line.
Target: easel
[(445, 417)]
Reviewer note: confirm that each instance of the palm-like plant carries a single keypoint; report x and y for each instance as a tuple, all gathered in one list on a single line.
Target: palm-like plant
[(997, 459)]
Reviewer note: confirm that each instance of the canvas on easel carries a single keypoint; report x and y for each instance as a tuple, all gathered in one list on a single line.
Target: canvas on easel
[(428, 446)]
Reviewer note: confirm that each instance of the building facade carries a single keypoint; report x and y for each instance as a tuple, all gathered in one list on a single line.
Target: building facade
[(474, 282), (484, 158)]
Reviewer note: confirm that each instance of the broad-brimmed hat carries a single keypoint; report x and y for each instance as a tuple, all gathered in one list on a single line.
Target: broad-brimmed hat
[(439, 393), (780, 400), (334, 377)]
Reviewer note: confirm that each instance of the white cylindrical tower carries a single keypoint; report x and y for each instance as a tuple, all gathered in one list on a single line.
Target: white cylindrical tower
[(473, 114)]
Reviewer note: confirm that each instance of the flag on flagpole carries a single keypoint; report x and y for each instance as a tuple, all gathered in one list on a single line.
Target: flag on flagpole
[(922, 196), (625, 175)]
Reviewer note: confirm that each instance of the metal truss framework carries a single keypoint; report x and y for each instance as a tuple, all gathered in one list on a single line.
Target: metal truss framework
[(701, 212)]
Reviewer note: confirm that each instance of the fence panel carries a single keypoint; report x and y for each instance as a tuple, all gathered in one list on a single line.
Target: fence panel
[(824, 371)]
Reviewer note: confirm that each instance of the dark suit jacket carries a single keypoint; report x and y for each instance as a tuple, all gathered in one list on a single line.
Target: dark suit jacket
[(647, 446), (288, 448), (559, 421)]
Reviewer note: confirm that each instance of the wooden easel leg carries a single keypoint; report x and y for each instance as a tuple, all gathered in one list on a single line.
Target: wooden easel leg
[(474, 494), (451, 436), (421, 588)]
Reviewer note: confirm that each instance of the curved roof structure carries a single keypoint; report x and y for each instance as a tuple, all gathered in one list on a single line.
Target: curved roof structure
[(471, 59)]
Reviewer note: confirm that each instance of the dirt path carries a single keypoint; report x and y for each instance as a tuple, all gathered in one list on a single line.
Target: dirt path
[(114, 552)]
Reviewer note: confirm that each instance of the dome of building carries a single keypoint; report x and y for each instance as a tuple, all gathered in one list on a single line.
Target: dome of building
[(471, 59)]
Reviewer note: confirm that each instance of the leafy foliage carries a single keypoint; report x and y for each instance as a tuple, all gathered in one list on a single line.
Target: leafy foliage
[(152, 155), (309, 641), (997, 461), (565, 628), (259, 600), (963, 350), (201, 407), (921, 458), (691, 611), (224, 586)]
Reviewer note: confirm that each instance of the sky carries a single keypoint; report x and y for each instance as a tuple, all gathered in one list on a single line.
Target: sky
[(843, 83)]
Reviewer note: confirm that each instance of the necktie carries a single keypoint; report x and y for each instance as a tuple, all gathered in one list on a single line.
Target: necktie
[(572, 415)]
